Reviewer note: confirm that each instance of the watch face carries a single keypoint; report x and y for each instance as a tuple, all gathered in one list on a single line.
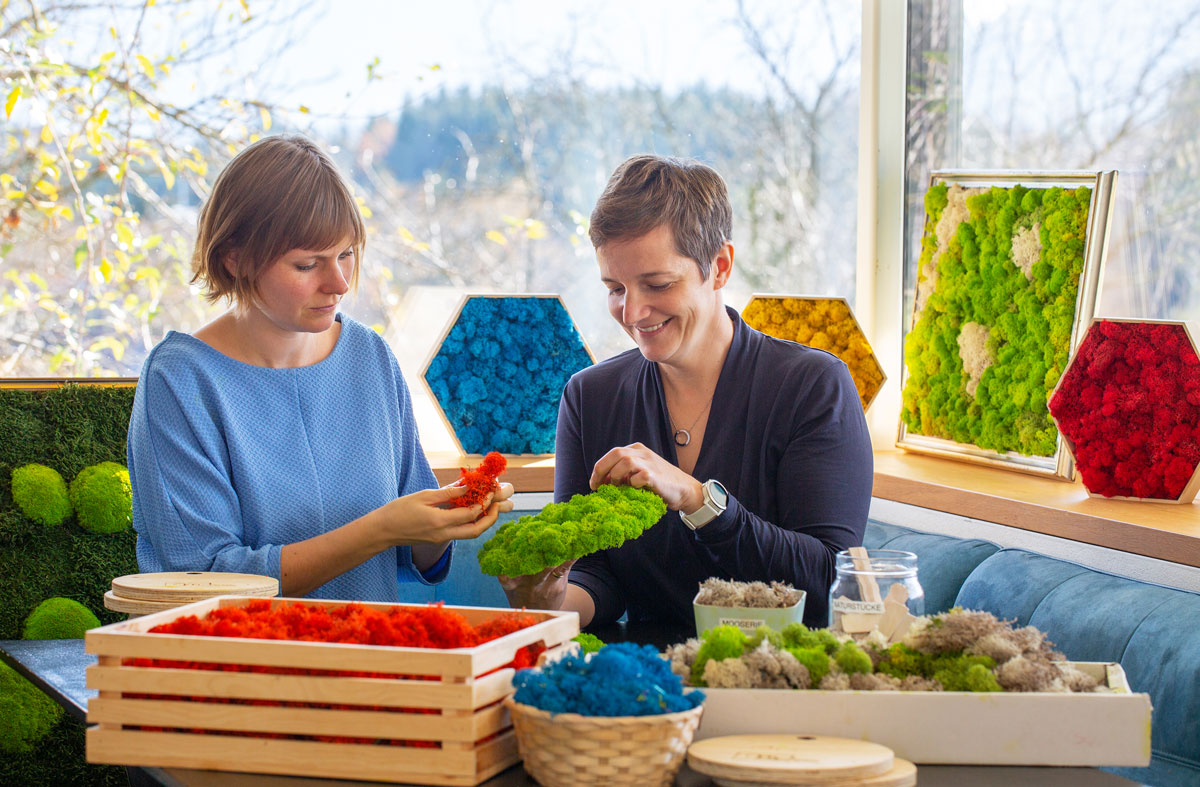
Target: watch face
[(719, 495)]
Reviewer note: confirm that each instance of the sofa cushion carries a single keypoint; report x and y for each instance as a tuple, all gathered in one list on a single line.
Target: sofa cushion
[(1153, 631), (943, 562)]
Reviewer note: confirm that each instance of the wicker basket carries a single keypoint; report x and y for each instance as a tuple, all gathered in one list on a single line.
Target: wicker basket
[(566, 749)]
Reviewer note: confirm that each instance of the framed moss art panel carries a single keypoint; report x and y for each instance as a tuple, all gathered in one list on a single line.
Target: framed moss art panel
[(1007, 278)]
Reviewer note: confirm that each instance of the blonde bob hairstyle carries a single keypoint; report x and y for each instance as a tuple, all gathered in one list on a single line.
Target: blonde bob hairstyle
[(279, 194)]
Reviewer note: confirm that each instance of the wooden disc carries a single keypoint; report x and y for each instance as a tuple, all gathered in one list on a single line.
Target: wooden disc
[(183, 586), (789, 759), (902, 774), (133, 606)]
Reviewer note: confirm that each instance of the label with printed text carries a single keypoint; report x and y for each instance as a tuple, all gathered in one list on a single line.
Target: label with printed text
[(846, 606)]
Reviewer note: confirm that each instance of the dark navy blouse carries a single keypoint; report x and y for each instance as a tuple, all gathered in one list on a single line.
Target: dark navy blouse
[(785, 436)]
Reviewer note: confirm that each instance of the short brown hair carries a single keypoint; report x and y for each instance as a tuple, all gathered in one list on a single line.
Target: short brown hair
[(279, 194), (647, 191)]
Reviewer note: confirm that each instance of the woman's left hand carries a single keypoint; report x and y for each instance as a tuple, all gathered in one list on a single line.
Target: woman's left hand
[(640, 467)]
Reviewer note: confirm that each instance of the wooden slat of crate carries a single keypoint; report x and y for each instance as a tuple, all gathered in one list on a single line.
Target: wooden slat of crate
[(396, 764), (238, 717), (303, 688), (129, 639)]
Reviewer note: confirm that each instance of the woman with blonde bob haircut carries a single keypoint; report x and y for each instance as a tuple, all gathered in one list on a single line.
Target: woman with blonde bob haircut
[(279, 438)]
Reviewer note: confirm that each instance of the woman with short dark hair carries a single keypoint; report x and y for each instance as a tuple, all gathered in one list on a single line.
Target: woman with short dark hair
[(758, 446)]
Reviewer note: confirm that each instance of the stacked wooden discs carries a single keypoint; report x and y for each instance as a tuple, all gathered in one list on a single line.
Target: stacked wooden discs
[(142, 594), (769, 760)]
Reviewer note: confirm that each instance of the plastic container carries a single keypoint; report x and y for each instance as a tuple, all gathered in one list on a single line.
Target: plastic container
[(862, 586), (747, 618)]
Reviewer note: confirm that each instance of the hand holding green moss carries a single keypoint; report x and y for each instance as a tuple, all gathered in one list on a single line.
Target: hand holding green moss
[(562, 532)]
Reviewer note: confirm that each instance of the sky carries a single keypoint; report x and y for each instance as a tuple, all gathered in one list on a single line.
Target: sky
[(416, 48)]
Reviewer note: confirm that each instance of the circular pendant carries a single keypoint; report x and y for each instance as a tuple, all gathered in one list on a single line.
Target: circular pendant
[(683, 440)]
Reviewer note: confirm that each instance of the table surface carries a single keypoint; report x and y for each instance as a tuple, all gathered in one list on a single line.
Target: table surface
[(59, 668)]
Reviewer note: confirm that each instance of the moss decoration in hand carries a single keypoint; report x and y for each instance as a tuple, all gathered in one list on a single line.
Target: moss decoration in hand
[(26, 714), (59, 618), (606, 518), (996, 294), (103, 498), (41, 494)]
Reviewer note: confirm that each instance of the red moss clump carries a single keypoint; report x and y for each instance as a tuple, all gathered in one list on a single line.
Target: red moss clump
[(1130, 404), (481, 481)]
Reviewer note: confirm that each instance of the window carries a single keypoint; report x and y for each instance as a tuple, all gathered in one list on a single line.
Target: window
[(478, 135), (1027, 85)]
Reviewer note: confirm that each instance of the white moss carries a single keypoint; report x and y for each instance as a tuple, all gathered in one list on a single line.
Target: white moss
[(954, 214), (1027, 248), (973, 350)]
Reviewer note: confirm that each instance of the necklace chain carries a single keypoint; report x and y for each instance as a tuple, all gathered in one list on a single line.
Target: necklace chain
[(686, 440)]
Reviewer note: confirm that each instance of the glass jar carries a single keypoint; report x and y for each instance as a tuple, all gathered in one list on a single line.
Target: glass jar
[(863, 585)]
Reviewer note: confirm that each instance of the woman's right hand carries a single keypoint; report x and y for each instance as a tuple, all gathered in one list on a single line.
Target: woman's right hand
[(546, 589), (426, 518)]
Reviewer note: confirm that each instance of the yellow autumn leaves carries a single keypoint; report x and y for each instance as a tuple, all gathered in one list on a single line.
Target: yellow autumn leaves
[(824, 323)]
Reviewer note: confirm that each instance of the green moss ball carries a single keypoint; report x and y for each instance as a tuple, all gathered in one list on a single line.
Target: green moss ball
[(26, 714), (102, 498), (41, 494), (59, 618)]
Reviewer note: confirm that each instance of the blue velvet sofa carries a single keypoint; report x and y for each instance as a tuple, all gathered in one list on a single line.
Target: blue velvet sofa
[(1153, 631)]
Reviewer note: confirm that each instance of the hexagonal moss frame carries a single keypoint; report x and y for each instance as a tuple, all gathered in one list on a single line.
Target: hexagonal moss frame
[(826, 323), (498, 370), (1007, 279), (1128, 407)]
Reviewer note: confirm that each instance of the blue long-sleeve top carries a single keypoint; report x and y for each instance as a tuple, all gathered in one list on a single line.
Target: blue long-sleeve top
[(785, 436), (229, 462)]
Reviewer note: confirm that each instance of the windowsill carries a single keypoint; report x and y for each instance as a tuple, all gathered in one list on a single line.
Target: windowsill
[(1041, 505)]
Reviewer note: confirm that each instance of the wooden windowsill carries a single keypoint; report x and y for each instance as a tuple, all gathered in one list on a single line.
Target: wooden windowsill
[(1042, 505)]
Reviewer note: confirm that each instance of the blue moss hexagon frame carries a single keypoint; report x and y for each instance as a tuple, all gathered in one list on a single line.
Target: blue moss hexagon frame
[(499, 371)]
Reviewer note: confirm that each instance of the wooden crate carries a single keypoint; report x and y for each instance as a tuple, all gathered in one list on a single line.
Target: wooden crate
[(455, 710)]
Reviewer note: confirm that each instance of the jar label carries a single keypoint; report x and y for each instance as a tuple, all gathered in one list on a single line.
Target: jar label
[(845, 605)]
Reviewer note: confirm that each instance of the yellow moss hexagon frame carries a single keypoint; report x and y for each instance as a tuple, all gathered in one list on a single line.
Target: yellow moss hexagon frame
[(826, 323)]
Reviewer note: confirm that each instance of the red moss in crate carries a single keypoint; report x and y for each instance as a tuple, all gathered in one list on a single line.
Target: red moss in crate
[(430, 626), (1130, 404), (481, 481)]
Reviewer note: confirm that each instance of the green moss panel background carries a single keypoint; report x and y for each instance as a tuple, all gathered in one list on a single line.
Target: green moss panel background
[(997, 285), (67, 429)]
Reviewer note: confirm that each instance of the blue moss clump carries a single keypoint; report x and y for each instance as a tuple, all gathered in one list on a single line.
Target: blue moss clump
[(26, 714), (41, 494), (103, 498), (618, 680), (1028, 319), (59, 618), (500, 372)]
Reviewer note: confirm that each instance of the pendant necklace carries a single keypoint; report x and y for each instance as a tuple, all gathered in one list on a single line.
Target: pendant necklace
[(683, 437)]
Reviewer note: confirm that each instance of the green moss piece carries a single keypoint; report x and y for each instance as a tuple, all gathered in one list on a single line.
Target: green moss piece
[(850, 659), (720, 643), (815, 659), (606, 518), (588, 643), (41, 494), (901, 661), (26, 714), (103, 498), (959, 672), (59, 618)]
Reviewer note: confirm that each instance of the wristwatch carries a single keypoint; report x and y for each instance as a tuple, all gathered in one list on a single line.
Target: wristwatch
[(715, 500)]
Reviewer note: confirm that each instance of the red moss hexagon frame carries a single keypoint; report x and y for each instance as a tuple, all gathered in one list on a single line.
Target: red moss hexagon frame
[(805, 318), (1128, 407)]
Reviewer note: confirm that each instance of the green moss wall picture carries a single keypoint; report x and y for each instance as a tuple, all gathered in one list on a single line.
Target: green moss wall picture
[(64, 427), (1009, 270)]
